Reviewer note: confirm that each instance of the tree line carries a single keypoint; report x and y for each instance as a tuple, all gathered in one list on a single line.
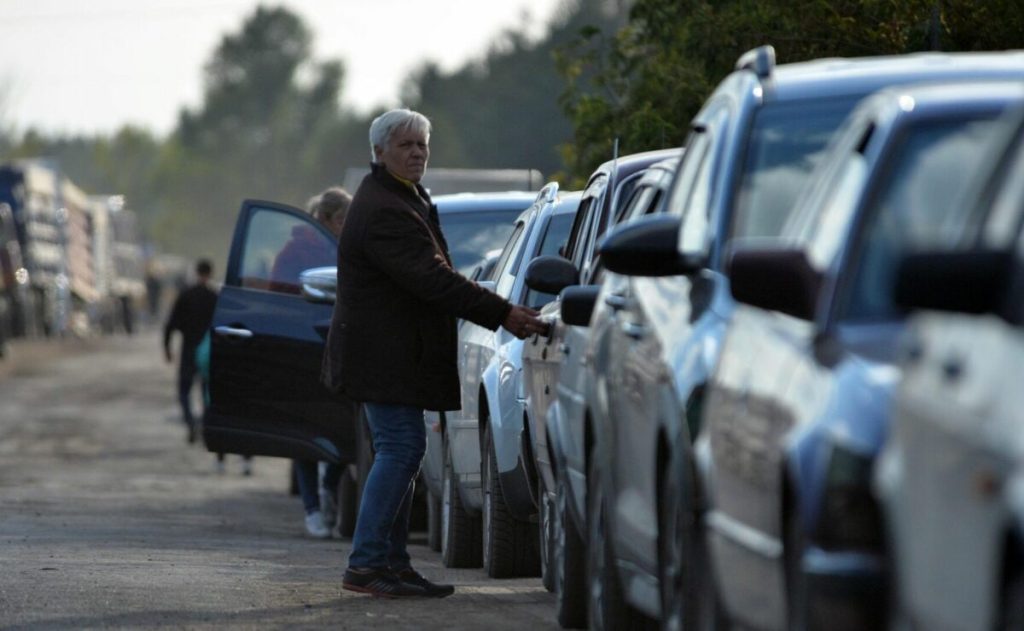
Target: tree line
[(270, 124)]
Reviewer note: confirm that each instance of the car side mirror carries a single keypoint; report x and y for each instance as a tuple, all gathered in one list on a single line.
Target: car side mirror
[(776, 278), (320, 284), (968, 282), (577, 304), (647, 247), (551, 274)]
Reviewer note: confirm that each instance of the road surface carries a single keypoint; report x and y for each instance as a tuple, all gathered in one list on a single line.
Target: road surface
[(108, 519)]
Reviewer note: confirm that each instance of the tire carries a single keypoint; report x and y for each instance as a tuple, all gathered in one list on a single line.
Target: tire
[(711, 615), (433, 522), (348, 502), (509, 544), (606, 608), (547, 523), (678, 556), (460, 532), (796, 585), (570, 564), (1011, 618), (356, 474)]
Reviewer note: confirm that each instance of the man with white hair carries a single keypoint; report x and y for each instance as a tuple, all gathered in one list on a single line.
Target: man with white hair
[(392, 341)]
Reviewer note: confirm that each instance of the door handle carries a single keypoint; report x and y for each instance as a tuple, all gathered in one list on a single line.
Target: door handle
[(616, 301), (230, 331), (634, 330)]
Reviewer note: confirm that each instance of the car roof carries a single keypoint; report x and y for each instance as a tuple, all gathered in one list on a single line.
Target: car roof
[(482, 202), (629, 164), (837, 77)]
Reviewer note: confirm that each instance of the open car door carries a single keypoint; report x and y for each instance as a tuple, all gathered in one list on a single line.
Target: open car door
[(268, 340)]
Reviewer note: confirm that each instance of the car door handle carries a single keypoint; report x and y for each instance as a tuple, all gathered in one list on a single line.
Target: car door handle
[(634, 330), (616, 301), (230, 331)]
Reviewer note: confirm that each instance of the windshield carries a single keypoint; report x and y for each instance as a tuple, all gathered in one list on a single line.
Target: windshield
[(786, 143), (471, 235)]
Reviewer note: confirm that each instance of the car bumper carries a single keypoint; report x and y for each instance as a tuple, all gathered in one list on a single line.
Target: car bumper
[(846, 591)]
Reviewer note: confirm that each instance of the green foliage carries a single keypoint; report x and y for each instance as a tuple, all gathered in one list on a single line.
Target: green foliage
[(643, 82)]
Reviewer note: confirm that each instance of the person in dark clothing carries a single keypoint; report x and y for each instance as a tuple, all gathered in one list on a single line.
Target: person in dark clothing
[(191, 315), (392, 342)]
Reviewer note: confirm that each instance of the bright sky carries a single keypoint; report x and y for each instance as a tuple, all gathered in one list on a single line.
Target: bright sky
[(83, 66)]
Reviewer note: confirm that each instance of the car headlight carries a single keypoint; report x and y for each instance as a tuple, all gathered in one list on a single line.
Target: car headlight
[(850, 515)]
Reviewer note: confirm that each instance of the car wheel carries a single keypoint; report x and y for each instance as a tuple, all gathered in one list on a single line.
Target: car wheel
[(606, 609), (677, 555), (796, 584), (1011, 617), (348, 502), (460, 532), (433, 522), (570, 564), (548, 523), (509, 544), (711, 615)]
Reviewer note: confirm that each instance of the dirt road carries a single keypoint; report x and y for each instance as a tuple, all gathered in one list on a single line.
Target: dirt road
[(109, 520)]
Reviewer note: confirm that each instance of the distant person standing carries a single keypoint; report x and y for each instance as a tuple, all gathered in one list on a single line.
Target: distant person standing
[(191, 315), (318, 492)]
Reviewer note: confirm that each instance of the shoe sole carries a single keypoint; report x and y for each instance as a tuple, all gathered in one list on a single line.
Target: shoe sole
[(376, 594)]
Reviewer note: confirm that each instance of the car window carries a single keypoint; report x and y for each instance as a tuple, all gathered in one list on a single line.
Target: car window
[(826, 218), (583, 224), (554, 237), (503, 272), (918, 205), (786, 142), (691, 191), (279, 246), (634, 205), (470, 235)]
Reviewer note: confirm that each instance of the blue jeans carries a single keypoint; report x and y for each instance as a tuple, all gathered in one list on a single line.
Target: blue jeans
[(382, 529), (187, 373), (306, 476)]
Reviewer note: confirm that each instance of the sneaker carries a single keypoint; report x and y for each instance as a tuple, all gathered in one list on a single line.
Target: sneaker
[(380, 584), (315, 526), (433, 590), (329, 508)]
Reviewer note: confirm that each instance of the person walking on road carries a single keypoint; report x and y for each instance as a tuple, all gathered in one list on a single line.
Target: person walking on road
[(191, 315), (392, 342)]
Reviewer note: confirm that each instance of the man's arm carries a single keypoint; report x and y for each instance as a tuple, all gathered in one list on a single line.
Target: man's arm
[(400, 243)]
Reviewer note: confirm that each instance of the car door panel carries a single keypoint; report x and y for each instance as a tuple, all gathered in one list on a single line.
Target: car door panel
[(267, 346)]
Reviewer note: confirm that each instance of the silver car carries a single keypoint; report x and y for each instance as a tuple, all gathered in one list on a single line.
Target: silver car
[(492, 415), (951, 478)]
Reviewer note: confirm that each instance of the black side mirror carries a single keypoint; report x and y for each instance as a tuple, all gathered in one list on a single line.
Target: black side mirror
[(578, 303), (647, 247), (551, 274), (775, 278), (967, 282)]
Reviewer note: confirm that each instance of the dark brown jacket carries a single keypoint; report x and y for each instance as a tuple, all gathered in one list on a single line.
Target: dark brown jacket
[(393, 337)]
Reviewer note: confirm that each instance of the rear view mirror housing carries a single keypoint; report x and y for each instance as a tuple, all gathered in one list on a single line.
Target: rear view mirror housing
[(320, 284), (775, 278), (967, 282), (551, 274), (647, 247), (577, 304)]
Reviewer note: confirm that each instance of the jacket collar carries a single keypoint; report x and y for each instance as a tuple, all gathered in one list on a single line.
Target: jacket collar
[(392, 183)]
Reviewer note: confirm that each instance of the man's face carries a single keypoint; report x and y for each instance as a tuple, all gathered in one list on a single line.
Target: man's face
[(406, 153)]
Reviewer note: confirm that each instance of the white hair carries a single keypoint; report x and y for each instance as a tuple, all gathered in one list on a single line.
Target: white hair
[(387, 123)]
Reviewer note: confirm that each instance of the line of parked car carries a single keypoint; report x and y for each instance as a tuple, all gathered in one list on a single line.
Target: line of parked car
[(777, 391)]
